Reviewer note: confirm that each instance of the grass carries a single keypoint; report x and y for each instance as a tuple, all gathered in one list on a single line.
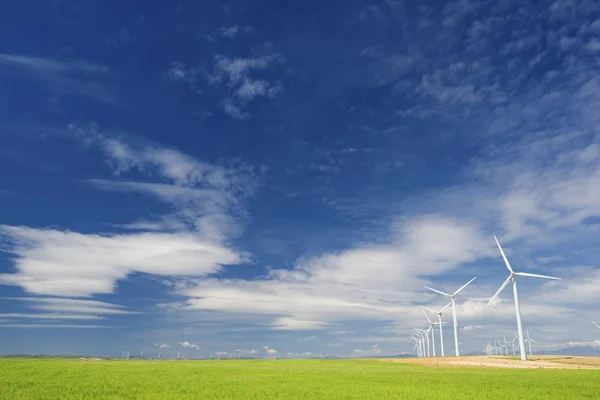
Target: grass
[(283, 379)]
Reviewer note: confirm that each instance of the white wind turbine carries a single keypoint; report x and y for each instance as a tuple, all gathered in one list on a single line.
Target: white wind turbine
[(431, 325), (452, 301), (425, 336), (529, 340), (417, 347), (421, 335), (415, 335), (513, 344), (513, 277), (506, 344), (440, 323)]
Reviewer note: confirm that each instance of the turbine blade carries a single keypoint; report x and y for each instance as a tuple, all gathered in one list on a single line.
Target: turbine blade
[(533, 341), (438, 291), (536, 275), (426, 316), (446, 306), (504, 256), (596, 324), (506, 282), (428, 309), (463, 286)]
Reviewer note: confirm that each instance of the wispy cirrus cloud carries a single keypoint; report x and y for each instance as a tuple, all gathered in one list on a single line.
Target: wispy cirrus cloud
[(65, 77), (79, 306), (50, 316), (53, 326)]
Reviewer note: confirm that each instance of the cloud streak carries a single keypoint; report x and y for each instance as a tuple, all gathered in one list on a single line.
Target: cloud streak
[(65, 77)]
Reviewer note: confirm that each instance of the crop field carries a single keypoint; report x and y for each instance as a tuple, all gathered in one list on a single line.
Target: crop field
[(284, 379)]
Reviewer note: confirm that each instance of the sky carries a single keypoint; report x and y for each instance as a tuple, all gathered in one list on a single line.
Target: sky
[(283, 178)]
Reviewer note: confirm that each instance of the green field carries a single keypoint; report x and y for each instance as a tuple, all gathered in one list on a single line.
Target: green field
[(283, 379)]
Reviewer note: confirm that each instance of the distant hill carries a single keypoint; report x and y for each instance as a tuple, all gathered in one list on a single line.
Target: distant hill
[(582, 351)]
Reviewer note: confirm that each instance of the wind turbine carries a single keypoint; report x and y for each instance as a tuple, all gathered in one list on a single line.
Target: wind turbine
[(439, 313), (529, 340), (425, 336), (417, 345), (513, 277), (596, 324), (432, 332), (506, 345), (452, 301), (513, 344), (420, 335)]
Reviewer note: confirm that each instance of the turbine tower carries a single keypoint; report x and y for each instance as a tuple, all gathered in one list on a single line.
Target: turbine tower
[(439, 313), (513, 277), (452, 301)]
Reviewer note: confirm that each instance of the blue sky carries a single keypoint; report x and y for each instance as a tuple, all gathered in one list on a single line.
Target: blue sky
[(273, 178)]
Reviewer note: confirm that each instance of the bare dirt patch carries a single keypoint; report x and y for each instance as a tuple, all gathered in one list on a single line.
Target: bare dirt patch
[(557, 362)]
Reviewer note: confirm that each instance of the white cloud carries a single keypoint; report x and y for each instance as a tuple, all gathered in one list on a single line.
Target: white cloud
[(189, 345), (59, 305), (271, 353), (350, 285), (375, 350), (232, 71), (206, 215), (247, 351), (470, 328), (229, 31), (593, 45), (233, 110), (235, 76), (292, 324), (164, 346), (250, 89), (49, 262)]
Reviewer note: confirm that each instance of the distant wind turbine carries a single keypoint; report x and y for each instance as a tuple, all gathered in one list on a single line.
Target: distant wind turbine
[(440, 323), (452, 296), (513, 344), (432, 332), (529, 341), (425, 336), (513, 277)]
